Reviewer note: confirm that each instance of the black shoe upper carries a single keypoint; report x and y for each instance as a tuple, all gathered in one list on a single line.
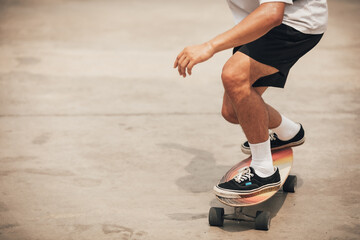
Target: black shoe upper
[(275, 142), (248, 180)]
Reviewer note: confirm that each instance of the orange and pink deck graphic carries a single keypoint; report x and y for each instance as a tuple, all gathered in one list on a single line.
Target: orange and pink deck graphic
[(282, 159)]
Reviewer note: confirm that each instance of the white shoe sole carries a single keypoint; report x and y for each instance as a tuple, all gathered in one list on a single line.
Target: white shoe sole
[(226, 193), (293, 144)]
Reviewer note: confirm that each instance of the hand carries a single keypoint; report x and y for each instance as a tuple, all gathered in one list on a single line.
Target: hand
[(191, 56)]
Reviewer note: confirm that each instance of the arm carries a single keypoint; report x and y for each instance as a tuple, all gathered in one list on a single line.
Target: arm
[(255, 25)]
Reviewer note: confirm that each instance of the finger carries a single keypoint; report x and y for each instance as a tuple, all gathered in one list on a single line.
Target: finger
[(176, 63), (183, 66), (180, 62), (190, 66)]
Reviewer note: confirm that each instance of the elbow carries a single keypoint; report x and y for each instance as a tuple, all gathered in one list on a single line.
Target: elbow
[(274, 13), (275, 19)]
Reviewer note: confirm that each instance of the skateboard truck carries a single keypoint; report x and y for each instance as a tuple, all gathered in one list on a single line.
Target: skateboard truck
[(217, 216)]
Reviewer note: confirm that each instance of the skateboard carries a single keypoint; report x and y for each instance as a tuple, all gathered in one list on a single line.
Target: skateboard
[(282, 159)]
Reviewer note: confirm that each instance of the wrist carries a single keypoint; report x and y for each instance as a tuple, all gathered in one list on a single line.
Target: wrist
[(211, 46)]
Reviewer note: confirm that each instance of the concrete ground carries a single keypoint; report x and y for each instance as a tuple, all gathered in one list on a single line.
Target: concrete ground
[(100, 139)]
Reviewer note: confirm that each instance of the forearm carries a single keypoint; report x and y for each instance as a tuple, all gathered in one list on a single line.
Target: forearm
[(255, 25)]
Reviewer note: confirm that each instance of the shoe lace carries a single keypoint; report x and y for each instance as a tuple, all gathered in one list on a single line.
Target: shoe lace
[(273, 136), (244, 174)]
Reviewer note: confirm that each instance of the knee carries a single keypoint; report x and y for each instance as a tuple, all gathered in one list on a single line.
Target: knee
[(236, 81)]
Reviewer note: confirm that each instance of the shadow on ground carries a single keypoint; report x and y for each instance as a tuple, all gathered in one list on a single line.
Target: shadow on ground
[(204, 172), (203, 169)]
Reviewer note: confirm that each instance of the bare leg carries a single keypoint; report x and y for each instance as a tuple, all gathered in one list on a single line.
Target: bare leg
[(229, 113), (239, 73), (274, 117)]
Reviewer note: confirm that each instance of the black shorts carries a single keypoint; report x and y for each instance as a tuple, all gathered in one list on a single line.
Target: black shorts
[(280, 48)]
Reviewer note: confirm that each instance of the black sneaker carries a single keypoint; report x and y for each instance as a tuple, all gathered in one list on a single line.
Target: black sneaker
[(248, 183), (277, 144)]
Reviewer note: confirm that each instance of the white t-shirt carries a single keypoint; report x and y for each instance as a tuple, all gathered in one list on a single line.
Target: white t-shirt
[(306, 16)]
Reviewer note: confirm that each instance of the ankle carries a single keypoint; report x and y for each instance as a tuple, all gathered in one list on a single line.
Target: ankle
[(287, 129), (263, 172), (262, 159)]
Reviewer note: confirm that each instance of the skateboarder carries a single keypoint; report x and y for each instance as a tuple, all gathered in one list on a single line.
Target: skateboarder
[(268, 39)]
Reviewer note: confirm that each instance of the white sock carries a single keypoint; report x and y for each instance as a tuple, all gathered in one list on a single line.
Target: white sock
[(287, 129), (262, 161)]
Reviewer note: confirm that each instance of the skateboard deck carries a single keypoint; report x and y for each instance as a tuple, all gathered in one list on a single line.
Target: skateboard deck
[(282, 159)]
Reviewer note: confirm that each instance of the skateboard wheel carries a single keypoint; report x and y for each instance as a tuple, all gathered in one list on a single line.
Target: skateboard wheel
[(290, 184), (216, 216), (262, 220)]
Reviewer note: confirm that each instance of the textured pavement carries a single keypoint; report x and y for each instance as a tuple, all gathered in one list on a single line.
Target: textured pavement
[(100, 139)]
